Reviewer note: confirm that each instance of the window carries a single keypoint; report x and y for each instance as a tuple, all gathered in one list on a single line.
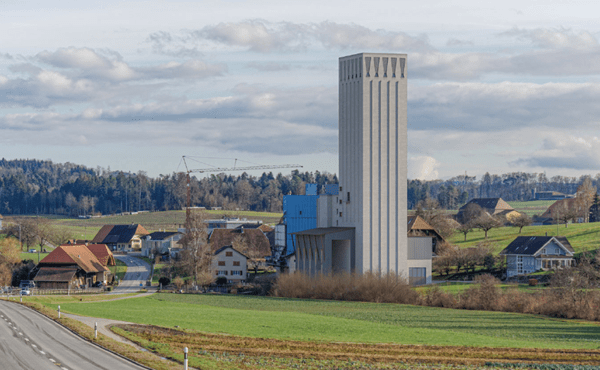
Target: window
[(221, 263), (340, 201), (222, 272), (340, 214), (340, 188), (300, 213), (348, 196), (236, 272), (556, 251), (228, 254), (236, 263)]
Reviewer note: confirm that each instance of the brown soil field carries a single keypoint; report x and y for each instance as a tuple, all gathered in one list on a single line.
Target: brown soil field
[(370, 353)]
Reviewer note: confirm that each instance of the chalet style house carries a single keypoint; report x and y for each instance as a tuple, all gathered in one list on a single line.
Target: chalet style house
[(528, 254)]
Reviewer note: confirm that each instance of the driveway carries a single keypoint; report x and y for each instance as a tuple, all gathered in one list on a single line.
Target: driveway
[(135, 278)]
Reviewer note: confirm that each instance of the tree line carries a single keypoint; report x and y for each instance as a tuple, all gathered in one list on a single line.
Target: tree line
[(43, 187), (514, 186)]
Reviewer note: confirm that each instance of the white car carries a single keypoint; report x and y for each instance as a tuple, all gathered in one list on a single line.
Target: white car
[(25, 291)]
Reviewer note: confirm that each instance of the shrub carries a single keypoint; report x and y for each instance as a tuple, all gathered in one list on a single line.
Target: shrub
[(221, 280), (368, 287), (164, 281), (178, 281), (533, 282)]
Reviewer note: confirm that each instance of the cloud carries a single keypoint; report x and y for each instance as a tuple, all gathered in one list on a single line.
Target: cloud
[(423, 168), (268, 66), (504, 106), (252, 119), (561, 38), (457, 42), (70, 75), (565, 151), (266, 37), (166, 44)]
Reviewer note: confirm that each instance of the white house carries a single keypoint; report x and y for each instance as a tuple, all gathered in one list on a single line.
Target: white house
[(230, 263), (527, 254), (160, 242)]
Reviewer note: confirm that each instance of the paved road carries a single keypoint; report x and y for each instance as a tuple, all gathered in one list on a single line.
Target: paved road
[(29, 340), (137, 273)]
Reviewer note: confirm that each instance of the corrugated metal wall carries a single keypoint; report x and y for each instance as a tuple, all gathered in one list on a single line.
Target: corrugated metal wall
[(300, 213)]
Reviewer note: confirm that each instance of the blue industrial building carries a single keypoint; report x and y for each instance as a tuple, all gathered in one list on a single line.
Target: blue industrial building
[(300, 212)]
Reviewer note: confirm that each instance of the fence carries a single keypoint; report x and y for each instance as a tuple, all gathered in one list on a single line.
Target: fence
[(65, 291)]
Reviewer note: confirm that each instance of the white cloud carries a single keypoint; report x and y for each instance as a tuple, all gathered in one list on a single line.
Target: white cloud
[(423, 168), (555, 38), (565, 151)]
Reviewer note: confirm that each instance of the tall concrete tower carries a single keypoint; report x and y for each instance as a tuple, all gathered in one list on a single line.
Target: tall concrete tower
[(372, 151)]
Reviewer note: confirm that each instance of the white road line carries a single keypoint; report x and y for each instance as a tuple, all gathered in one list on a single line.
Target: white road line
[(52, 360), (27, 339), (42, 352), (20, 333), (34, 345)]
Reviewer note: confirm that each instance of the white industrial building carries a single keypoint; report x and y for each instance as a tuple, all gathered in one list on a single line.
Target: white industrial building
[(363, 228)]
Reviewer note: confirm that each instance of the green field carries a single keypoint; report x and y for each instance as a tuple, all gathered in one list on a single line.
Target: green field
[(309, 320), (583, 237), (33, 256), (535, 207)]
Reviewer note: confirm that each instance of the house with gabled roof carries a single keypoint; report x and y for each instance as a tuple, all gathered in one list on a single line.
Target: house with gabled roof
[(528, 254), (160, 243), (71, 267), (231, 264), (417, 226), (491, 206), (122, 238)]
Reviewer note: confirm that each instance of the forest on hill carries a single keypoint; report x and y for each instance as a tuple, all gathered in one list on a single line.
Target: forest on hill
[(43, 187)]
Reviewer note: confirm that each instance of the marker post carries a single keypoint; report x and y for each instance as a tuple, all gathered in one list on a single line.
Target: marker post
[(185, 358)]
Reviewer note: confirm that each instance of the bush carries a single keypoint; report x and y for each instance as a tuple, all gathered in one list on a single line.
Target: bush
[(221, 280), (164, 281), (533, 282), (368, 287)]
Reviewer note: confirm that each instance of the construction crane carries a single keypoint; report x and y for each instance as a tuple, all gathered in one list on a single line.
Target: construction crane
[(223, 169)]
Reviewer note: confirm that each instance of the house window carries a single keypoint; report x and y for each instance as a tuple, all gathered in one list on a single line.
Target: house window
[(228, 254), (340, 201), (340, 214), (222, 272), (236, 263), (236, 272), (556, 250), (519, 265), (221, 263)]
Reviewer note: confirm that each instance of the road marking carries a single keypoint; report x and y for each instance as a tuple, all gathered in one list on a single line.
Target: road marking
[(42, 352), (27, 339), (20, 333), (52, 360), (34, 345)]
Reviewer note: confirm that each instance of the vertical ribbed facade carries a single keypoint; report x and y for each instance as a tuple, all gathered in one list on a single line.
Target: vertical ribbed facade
[(372, 150)]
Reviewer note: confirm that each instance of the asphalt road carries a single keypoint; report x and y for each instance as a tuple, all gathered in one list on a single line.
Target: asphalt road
[(29, 340), (137, 273)]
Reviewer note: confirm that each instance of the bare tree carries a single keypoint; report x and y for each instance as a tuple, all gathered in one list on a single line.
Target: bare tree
[(465, 229), (585, 197), (565, 211), (9, 257), (430, 211), (486, 222), (197, 256), (521, 221)]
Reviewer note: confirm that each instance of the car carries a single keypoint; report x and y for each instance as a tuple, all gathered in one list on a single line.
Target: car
[(25, 291), (32, 251)]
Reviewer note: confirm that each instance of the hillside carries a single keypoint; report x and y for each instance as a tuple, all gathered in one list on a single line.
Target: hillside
[(583, 237)]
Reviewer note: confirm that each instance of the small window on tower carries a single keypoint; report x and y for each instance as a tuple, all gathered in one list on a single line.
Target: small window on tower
[(340, 214), (340, 188), (300, 213), (348, 196), (340, 201)]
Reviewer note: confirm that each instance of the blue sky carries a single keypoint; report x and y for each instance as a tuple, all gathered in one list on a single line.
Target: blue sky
[(510, 86)]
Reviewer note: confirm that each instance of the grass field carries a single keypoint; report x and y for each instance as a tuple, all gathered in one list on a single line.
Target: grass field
[(535, 207), (307, 320), (33, 256), (583, 237)]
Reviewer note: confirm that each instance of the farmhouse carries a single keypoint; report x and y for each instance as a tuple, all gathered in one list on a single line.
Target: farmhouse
[(231, 264), (492, 206), (527, 254), (122, 238), (417, 226), (73, 266)]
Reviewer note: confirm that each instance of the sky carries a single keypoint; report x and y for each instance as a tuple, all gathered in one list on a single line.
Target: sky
[(135, 85)]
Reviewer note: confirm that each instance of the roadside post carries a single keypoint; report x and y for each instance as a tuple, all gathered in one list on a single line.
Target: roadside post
[(96, 330), (59, 312), (185, 358), (21, 296)]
